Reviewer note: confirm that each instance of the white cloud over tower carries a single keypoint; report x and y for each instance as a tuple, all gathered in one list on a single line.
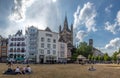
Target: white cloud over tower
[(85, 17)]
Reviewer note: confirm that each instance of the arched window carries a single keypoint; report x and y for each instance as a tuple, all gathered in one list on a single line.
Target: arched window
[(22, 56), (11, 49), (18, 44), (18, 49), (23, 50), (15, 56), (11, 55)]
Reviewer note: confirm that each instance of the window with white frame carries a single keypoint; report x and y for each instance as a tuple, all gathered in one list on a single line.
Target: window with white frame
[(54, 52), (42, 39), (54, 46), (48, 40), (54, 41), (42, 51), (42, 45), (48, 46), (48, 51)]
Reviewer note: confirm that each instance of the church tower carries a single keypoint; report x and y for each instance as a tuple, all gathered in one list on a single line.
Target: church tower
[(65, 24), (91, 42), (66, 35)]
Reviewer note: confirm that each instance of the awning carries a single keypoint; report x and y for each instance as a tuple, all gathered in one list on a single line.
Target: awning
[(81, 57), (20, 59)]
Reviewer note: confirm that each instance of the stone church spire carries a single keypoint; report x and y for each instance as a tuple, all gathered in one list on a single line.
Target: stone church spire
[(66, 36), (66, 23), (60, 29)]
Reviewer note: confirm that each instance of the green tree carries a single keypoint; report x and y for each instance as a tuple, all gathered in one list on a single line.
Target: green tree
[(84, 49), (99, 58), (74, 54), (106, 57), (119, 51), (93, 57), (96, 58), (114, 56), (89, 57)]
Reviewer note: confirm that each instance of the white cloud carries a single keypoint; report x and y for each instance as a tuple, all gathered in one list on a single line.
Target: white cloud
[(19, 9), (115, 27), (80, 35), (40, 13), (85, 16), (111, 47), (43, 14), (107, 9), (110, 27), (113, 44), (54, 0), (11, 29), (76, 17), (118, 18), (109, 51)]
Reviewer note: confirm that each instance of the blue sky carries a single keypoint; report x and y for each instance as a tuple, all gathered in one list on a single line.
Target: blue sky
[(99, 20)]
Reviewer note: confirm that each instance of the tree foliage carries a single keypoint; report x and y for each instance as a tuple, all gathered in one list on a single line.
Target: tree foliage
[(89, 57), (83, 49), (106, 57), (74, 54), (114, 56)]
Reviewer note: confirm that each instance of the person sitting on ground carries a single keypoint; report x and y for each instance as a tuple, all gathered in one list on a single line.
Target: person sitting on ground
[(22, 69), (17, 70), (28, 69), (91, 68), (9, 71)]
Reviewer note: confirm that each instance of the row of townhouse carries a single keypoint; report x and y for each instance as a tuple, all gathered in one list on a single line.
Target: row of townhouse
[(40, 46)]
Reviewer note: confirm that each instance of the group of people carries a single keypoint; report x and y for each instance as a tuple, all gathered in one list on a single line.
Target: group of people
[(18, 70)]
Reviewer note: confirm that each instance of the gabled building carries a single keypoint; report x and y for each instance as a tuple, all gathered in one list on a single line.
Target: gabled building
[(47, 46), (66, 36), (3, 49), (17, 47)]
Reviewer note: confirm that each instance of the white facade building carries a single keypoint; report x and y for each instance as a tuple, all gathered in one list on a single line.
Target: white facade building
[(47, 46), (32, 40), (43, 46), (17, 47)]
